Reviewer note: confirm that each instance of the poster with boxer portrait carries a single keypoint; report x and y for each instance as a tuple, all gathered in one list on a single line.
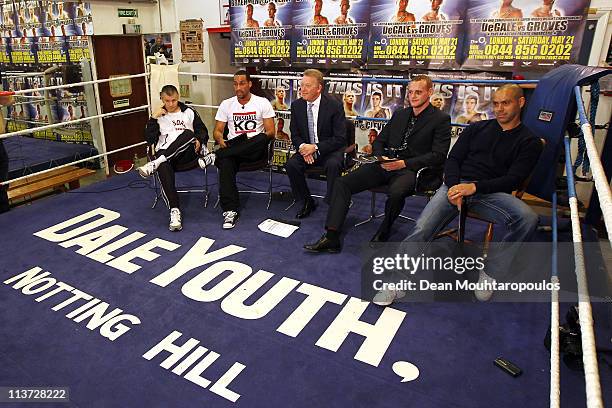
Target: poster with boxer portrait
[(5, 56), (281, 92), (31, 19), (83, 21), (330, 33), (416, 33), (507, 35), (261, 32), (23, 50), (9, 20)]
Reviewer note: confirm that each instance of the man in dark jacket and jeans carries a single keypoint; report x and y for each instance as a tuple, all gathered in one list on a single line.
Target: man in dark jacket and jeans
[(179, 137), (489, 161)]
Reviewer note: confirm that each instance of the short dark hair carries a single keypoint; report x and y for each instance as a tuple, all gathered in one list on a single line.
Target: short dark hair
[(242, 72), (379, 93), (169, 90)]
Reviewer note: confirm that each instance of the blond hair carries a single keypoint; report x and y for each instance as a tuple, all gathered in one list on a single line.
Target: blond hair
[(316, 74)]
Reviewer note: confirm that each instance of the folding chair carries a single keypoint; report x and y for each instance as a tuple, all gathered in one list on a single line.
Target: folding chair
[(262, 164), (424, 186), (464, 213), (181, 168)]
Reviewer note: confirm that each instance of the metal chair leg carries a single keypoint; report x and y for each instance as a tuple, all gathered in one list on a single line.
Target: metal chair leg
[(462, 217), (405, 217), (269, 189), (373, 215), (290, 205)]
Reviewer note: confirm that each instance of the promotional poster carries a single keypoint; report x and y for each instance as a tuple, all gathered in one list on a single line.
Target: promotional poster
[(424, 34), (524, 34), (37, 18), (374, 102), (261, 32), (23, 50), (281, 92), (9, 26), (329, 33), (5, 57), (78, 48)]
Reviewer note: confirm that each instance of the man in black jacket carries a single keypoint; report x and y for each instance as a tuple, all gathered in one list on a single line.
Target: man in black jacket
[(414, 138), (318, 133), (489, 161), (179, 137)]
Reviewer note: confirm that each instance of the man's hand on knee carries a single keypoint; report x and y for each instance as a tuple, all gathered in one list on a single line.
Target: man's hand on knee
[(309, 159)]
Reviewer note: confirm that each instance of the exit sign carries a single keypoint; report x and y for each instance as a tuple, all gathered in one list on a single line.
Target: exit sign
[(127, 12)]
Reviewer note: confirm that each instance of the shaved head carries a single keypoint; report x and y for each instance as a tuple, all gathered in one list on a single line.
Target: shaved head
[(514, 90)]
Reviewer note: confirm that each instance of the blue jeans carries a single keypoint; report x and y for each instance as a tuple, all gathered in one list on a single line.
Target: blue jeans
[(500, 208)]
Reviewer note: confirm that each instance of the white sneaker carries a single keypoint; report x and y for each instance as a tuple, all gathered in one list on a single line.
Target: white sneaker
[(386, 297), (146, 170), (484, 290), (206, 160), (230, 218), (203, 150), (175, 220)]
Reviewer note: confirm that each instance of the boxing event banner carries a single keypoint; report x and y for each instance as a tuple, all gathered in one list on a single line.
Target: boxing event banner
[(331, 34), (374, 102), (423, 34), (78, 48), (5, 56), (37, 18), (261, 32), (370, 103), (281, 92), (525, 34), (9, 17)]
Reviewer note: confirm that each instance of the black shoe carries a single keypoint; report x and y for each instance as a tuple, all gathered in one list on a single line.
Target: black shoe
[(380, 236), (309, 207), (324, 244)]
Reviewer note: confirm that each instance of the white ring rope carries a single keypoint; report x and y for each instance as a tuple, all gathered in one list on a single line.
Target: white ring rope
[(31, 96), (293, 77), (195, 105), (97, 81), (602, 185), (10, 74), (555, 373), (70, 122), (589, 350), (585, 314)]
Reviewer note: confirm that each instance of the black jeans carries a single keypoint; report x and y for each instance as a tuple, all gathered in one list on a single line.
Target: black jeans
[(400, 184), (228, 161)]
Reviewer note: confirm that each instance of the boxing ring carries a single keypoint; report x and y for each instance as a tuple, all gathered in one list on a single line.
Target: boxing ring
[(242, 318), (29, 155)]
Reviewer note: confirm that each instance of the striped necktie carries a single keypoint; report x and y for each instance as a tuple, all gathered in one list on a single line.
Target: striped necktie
[(311, 125)]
